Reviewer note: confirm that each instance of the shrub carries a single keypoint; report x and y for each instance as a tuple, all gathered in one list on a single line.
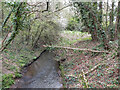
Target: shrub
[(48, 34), (73, 24), (7, 80)]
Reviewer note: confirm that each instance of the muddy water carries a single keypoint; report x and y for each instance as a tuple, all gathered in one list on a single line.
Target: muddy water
[(43, 73)]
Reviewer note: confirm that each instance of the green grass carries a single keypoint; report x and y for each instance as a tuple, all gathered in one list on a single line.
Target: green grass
[(26, 55), (7, 80), (78, 33), (13, 61), (71, 37)]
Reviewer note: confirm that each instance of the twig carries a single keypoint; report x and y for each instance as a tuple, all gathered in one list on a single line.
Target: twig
[(77, 49), (5, 21), (53, 11), (84, 79), (73, 76), (94, 68), (15, 31), (34, 4)]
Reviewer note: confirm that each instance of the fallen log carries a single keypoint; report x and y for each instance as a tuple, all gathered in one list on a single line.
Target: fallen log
[(81, 49)]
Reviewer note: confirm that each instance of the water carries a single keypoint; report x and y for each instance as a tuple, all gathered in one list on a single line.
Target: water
[(0, 41), (43, 73)]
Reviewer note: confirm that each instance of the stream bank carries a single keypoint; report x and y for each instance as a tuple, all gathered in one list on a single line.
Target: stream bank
[(42, 73)]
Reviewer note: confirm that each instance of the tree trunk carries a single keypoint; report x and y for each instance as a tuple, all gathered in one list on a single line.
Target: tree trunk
[(17, 15), (117, 26), (100, 16), (95, 28), (111, 29), (36, 41), (118, 30), (107, 17)]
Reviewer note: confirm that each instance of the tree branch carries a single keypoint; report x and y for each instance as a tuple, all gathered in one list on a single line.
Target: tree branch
[(54, 11), (15, 31), (94, 68), (5, 21), (83, 49)]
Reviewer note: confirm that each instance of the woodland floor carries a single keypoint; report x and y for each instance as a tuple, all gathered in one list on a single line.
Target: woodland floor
[(77, 62), (103, 67)]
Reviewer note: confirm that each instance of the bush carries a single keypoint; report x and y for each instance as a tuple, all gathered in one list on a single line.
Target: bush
[(40, 33), (73, 24), (48, 34)]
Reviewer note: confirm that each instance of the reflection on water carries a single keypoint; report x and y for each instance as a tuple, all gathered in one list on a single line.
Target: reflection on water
[(42, 73), (0, 42)]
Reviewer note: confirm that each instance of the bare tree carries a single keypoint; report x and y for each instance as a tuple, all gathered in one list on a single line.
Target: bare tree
[(117, 26), (111, 22)]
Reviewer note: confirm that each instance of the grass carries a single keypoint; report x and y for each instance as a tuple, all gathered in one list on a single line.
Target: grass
[(13, 59), (12, 62), (7, 80), (71, 37), (68, 38)]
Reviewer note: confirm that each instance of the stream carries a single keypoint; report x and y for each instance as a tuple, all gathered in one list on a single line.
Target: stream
[(42, 73)]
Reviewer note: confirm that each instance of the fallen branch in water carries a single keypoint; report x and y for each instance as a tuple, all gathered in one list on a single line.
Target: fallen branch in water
[(77, 49)]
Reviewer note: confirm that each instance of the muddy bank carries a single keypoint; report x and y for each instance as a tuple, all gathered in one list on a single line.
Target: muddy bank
[(42, 73)]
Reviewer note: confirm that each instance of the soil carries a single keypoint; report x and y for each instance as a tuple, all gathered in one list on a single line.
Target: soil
[(103, 76)]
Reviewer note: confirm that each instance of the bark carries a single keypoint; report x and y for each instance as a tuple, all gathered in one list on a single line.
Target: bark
[(103, 33), (118, 31), (117, 26), (111, 14), (47, 8), (35, 43), (15, 28), (93, 30), (2, 16), (107, 17), (91, 19), (111, 22), (5, 21), (100, 16), (94, 23)]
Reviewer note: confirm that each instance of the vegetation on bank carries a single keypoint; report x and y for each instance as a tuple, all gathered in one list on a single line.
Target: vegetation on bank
[(84, 63), (14, 58)]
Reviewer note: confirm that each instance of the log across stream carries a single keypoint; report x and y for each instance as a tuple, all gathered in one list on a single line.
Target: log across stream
[(42, 73)]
